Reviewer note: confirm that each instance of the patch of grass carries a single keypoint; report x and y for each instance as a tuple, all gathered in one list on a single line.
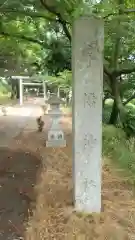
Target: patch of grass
[(108, 108), (119, 149), (116, 146), (107, 112), (5, 99)]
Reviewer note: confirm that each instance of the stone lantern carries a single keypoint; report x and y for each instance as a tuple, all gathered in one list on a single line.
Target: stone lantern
[(55, 133)]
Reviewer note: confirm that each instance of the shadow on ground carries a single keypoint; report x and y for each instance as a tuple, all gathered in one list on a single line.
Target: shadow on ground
[(18, 174)]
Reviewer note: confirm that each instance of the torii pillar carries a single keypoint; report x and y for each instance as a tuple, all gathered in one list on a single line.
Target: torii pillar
[(21, 90)]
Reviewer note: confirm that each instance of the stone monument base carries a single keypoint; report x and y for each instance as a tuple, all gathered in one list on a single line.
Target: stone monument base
[(56, 143)]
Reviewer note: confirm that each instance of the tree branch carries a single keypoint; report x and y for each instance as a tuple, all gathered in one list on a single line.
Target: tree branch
[(126, 11), (129, 99), (26, 13), (129, 10), (21, 37), (28, 39), (49, 8), (106, 71), (118, 73), (60, 19)]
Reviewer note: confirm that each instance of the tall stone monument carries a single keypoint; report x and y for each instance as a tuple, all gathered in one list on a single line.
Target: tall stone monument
[(87, 65)]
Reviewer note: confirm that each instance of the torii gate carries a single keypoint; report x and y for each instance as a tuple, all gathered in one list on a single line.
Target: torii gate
[(22, 83)]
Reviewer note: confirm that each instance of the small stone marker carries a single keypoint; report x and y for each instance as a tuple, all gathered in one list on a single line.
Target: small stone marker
[(87, 66), (55, 133)]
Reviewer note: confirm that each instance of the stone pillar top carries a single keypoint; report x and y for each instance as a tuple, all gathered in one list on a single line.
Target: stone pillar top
[(54, 100)]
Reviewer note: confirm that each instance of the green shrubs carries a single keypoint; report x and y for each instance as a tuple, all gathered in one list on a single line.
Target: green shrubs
[(129, 124), (119, 149), (107, 110), (116, 145), (129, 117), (4, 87)]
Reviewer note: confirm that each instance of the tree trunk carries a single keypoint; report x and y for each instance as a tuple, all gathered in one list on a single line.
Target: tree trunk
[(103, 103), (114, 113), (118, 107), (13, 89), (129, 99)]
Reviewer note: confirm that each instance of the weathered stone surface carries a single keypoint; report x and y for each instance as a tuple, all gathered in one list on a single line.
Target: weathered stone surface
[(55, 133), (56, 143), (87, 65)]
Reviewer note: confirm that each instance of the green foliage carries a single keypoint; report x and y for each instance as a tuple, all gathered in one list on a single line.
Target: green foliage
[(119, 149), (128, 122), (132, 101), (112, 133), (63, 80), (38, 33), (4, 87), (58, 57), (107, 110)]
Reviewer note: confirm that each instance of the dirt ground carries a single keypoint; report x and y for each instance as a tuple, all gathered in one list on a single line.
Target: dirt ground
[(18, 171), (41, 197), (19, 167), (54, 216)]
